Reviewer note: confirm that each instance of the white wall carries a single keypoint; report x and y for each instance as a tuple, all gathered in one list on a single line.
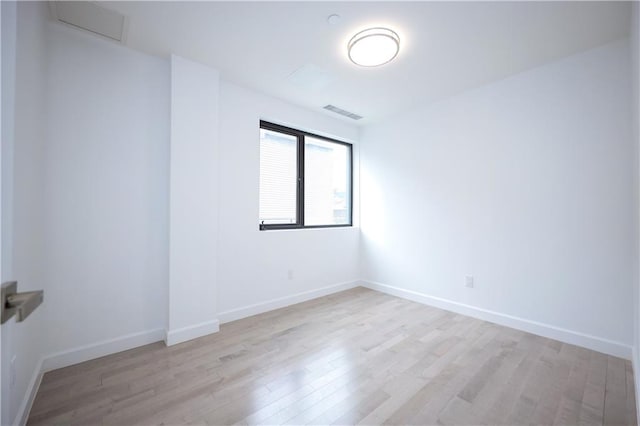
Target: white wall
[(254, 265), (634, 46), (107, 191), (23, 210), (9, 35), (106, 165), (524, 184), (193, 207), (7, 111)]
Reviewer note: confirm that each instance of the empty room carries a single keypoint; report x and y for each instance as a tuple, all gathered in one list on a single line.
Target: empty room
[(320, 212)]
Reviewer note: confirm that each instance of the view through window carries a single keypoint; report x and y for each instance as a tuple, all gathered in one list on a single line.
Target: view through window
[(305, 179)]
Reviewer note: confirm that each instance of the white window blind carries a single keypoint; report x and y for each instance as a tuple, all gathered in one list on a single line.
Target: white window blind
[(278, 177)]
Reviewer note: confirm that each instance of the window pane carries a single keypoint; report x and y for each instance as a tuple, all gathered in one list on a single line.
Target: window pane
[(327, 167), (278, 177)]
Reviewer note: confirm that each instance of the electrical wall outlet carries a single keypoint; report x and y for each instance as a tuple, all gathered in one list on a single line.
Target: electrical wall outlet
[(290, 274), (468, 281)]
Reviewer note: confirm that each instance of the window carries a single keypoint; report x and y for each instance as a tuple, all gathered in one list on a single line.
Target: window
[(305, 179)]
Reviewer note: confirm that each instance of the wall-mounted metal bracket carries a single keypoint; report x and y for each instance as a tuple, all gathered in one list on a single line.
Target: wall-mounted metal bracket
[(19, 304)]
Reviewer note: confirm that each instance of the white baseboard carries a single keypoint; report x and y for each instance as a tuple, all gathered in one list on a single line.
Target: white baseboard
[(173, 337), (270, 305), (30, 395), (100, 349), (595, 343)]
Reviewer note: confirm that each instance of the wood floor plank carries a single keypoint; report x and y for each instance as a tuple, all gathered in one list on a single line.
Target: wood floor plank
[(615, 401), (355, 357)]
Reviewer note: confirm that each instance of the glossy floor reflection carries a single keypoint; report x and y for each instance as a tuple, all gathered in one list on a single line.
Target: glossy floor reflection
[(353, 357)]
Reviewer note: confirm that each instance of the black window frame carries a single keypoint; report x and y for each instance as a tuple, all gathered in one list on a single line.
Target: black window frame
[(300, 135)]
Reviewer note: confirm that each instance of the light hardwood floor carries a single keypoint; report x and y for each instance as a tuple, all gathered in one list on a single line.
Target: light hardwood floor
[(353, 357)]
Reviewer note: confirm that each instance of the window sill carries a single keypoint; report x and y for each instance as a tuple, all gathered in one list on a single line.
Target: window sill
[(309, 228)]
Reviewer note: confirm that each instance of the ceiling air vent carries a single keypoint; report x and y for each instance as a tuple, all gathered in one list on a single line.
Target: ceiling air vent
[(90, 17), (343, 112)]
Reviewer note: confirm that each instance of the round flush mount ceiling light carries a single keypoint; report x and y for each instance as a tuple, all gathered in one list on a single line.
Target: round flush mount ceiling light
[(374, 47)]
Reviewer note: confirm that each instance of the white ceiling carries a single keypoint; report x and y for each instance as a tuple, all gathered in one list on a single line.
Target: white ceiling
[(446, 47)]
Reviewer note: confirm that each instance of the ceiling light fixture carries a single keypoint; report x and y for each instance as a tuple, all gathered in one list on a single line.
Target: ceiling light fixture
[(374, 47)]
